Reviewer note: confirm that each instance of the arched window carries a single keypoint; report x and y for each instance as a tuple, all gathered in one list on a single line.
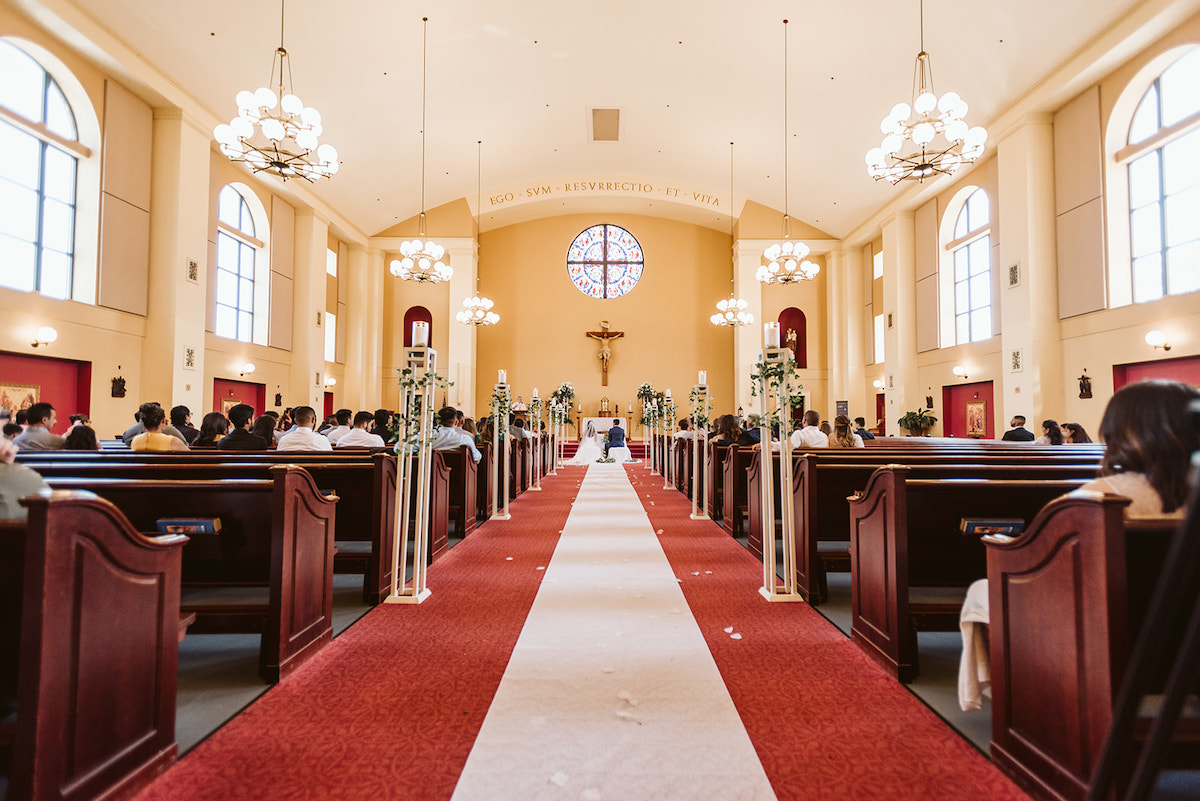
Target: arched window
[(605, 261), (1162, 151), (242, 269), (970, 271), (39, 177)]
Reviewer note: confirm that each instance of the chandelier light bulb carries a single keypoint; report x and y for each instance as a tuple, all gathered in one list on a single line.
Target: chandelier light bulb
[(478, 311), (731, 312)]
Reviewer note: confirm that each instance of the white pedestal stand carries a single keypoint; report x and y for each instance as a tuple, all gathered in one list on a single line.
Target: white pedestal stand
[(536, 484), (423, 364), (771, 589), (500, 510), (668, 446), (699, 485)]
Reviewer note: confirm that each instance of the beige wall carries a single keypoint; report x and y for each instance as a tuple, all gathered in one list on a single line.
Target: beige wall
[(541, 338)]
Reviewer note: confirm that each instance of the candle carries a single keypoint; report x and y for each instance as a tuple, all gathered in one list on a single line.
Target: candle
[(771, 335), (579, 406), (667, 394), (420, 334), (503, 376), (535, 395), (703, 378)]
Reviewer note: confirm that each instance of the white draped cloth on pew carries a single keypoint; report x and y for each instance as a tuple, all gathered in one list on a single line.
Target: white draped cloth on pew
[(975, 669), (620, 455)]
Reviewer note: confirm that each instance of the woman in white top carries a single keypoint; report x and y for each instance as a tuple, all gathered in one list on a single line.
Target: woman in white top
[(591, 447)]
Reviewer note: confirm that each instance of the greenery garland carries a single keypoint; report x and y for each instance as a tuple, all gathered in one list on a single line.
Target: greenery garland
[(700, 415), (410, 418), (772, 376)]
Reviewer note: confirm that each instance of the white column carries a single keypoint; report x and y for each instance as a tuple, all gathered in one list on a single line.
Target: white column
[(900, 308), (459, 364), (373, 346), (836, 303), (357, 323), (179, 194), (856, 373), (307, 382), (1029, 322), (747, 339)]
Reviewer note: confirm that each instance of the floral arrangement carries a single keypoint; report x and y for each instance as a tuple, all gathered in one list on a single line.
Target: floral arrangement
[(414, 386), (565, 394), (535, 414), (645, 392), (776, 377), (500, 404), (700, 412)]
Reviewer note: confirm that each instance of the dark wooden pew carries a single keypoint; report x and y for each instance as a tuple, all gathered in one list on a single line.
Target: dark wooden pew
[(683, 464), (910, 565), (714, 456), (734, 483), (270, 568), (1066, 598), (485, 482), (822, 483), (366, 485), (89, 632), (463, 492)]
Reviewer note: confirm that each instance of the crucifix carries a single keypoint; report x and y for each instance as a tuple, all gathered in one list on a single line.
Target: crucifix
[(605, 336)]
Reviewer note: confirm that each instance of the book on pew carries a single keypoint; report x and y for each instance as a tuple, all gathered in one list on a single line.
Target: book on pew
[(189, 525), (981, 526)]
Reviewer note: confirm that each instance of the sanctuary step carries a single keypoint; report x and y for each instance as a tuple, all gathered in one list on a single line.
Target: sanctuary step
[(637, 448)]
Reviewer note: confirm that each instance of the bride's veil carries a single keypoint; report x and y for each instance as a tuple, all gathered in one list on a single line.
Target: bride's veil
[(591, 429)]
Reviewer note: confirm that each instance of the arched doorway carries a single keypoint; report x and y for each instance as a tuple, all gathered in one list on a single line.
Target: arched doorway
[(415, 314), (793, 330)]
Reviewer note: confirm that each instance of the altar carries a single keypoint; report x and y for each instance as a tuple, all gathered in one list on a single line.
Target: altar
[(601, 424)]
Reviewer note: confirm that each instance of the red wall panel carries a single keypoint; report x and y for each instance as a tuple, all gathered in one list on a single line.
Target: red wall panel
[(954, 406), (243, 391), (65, 384), (1186, 369)]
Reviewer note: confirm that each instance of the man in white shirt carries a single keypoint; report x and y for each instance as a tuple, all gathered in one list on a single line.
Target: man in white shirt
[(685, 430), (450, 436), (359, 437), (343, 426), (303, 438), (810, 436)]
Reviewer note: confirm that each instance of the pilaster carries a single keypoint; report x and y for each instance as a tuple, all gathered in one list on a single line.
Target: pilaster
[(306, 383), (900, 317)]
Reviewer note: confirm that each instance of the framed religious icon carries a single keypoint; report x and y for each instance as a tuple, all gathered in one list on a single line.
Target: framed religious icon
[(15, 397), (977, 418), (227, 404)]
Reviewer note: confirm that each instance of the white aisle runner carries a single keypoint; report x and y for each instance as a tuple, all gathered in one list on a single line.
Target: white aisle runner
[(611, 693)]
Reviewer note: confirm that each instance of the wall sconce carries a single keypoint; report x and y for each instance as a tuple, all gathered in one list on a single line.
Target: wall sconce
[(877, 383), (1155, 339), (45, 335), (331, 381), (248, 367), (960, 371)]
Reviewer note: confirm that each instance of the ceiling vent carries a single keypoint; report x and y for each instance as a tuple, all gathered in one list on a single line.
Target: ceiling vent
[(606, 125)]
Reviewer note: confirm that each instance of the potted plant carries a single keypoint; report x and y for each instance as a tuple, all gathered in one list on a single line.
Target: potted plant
[(918, 423)]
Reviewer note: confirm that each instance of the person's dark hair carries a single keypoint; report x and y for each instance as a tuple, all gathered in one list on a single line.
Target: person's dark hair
[(1053, 431), (363, 417), (12, 429), (843, 435), (861, 422), (458, 415), (272, 414), (241, 415), (1020, 418), (382, 418), (812, 417), (447, 415), (519, 423), (469, 425), (486, 426), (1148, 429), (264, 427), (212, 428), (728, 428), (179, 415), (38, 413), (304, 416), (826, 428), (152, 414), (21, 417), (81, 438), (80, 418), (1077, 432), (684, 424), (344, 416), (616, 422)]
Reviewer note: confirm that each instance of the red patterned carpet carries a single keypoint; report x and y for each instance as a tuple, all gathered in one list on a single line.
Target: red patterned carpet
[(391, 708), (825, 721)]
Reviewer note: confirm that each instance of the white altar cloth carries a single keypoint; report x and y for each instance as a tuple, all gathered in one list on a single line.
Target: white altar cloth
[(601, 425)]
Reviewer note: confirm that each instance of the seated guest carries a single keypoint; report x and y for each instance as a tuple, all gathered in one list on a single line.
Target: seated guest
[(239, 437), (78, 420), (519, 431), (1150, 438), (264, 428), (181, 419), (12, 429), (685, 430), (16, 481), (730, 433), (138, 428), (22, 418), (359, 437), (343, 417), (153, 438), (809, 436), (212, 428), (826, 429), (38, 435), (328, 424), (486, 429), (860, 428), (468, 426), (1074, 433), (1018, 432), (1051, 434), (449, 435), (81, 438), (842, 436), (383, 424), (303, 438)]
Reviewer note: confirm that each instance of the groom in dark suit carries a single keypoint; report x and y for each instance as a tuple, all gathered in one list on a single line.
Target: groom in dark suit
[(616, 437)]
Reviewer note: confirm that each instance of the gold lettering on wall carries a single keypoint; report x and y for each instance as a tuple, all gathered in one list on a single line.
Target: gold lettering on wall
[(630, 187)]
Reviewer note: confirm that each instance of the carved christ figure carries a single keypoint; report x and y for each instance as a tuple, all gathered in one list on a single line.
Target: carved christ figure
[(605, 336)]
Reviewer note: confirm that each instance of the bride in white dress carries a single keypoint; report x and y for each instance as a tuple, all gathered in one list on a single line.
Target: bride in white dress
[(591, 447)]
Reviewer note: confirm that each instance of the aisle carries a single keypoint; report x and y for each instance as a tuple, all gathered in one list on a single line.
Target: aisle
[(611, 691)]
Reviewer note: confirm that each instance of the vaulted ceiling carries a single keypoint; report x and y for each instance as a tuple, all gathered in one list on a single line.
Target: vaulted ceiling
[(523, 76)]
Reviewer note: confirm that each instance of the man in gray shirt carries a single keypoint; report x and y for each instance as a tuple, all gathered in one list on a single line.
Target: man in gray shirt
[(38, 436), (16, 481)]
